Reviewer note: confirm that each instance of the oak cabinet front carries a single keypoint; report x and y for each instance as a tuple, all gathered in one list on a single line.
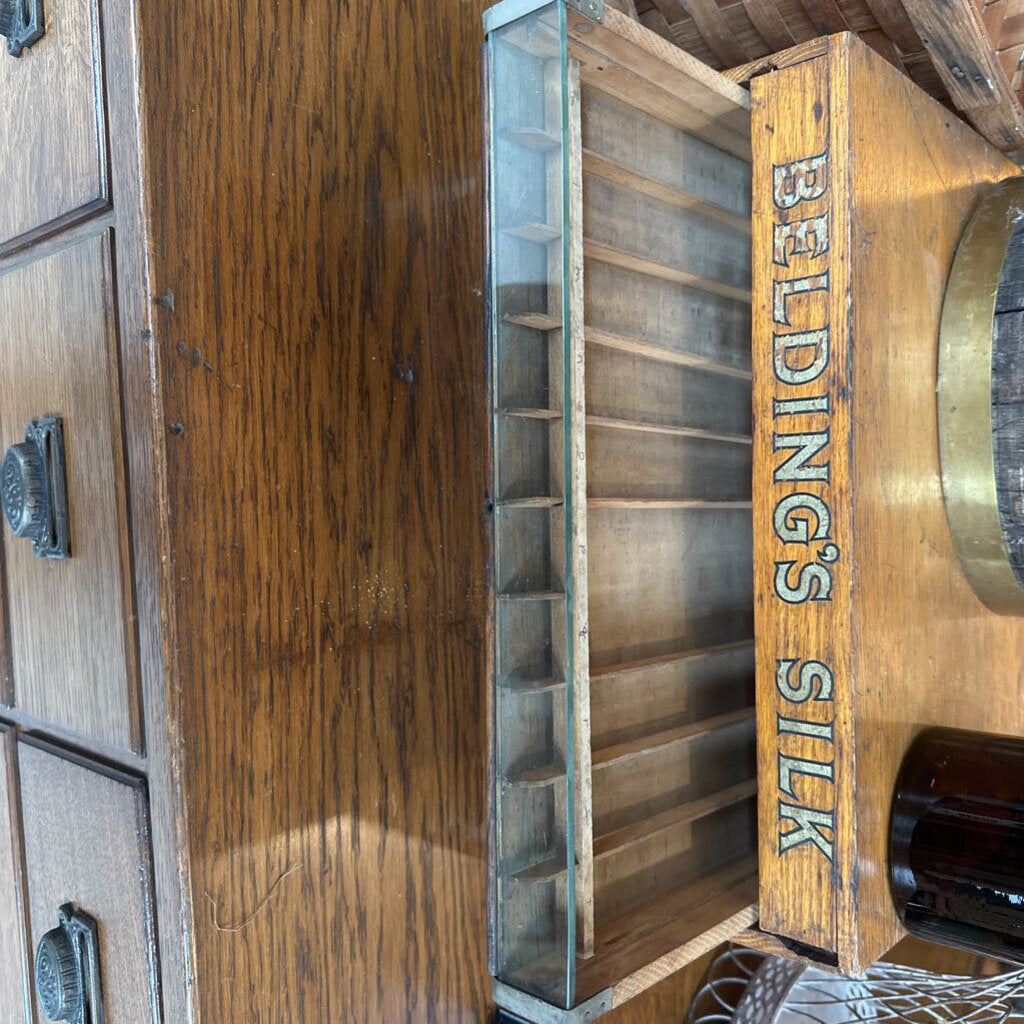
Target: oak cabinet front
[(72, 634), (245, 715), (86, 841), (54, 131)]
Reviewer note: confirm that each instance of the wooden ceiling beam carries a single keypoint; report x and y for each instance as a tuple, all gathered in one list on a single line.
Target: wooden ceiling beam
[(955, 38)]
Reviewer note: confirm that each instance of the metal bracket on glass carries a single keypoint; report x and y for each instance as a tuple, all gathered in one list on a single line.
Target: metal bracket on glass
[(536, 1011), (506, 11), (33, 486), (22, 22), (68, 981)]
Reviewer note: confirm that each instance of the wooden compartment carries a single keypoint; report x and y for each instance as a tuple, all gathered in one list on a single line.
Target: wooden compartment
[(624, 834), (87, 843), (54, 130), (71, 636)]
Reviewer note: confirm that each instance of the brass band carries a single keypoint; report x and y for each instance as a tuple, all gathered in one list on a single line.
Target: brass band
[(966, 339)]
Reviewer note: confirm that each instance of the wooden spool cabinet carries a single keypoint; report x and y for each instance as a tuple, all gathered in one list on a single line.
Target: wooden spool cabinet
[(867, 627), (625, 524), (624, 829)]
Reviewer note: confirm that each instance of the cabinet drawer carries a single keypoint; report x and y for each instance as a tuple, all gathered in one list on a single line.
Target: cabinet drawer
[(11, 959), (53, 136), (71, 639), (87, 844)]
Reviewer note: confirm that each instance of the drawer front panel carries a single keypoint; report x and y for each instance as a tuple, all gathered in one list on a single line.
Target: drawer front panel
[(87, 843), (53, 135), (72, 639), (11, 959)]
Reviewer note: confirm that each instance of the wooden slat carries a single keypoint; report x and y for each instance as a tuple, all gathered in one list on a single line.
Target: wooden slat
[(634, 346), (627, 60), (712, 25), (542, 776), (797, 54), (619, 752), (629, 222), (653, 19), (637, 347), (630, 261), (665, 503), (534, 138), (676, 856), (682, 900), (766, 942), (1009, 60), (667, 659), (594, 163), (612, 423), (712, 928), (765, 17), (826, 16), (533, 414), (531, 595), (535, 501), (1012, 32), (538, 321), (544, 871), (645, 95), (540, 233), (623, 838), (644, 53), (544, 685), (954, 36), (883, 46), (804, 876), (892, 18), (992, 17), (640, 948), (671, 10), (576, 456), (661, 551)]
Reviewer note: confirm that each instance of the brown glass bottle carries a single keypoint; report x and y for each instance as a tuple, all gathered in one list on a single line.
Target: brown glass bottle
[(956, 842)]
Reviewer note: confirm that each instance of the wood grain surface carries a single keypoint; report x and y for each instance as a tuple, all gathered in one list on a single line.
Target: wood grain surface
[(12, 961), (87, 843), (53, 135), (888, 637), (316, 219), (795, 121), (668, 1001), (966, 60), (954, 662), (72, 643)]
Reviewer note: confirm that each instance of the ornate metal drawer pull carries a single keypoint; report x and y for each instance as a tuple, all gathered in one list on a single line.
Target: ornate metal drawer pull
[(33, 484), (22, 22), (68, 970)]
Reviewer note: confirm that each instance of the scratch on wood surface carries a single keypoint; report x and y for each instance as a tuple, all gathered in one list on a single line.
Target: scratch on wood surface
[(249, 918)]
